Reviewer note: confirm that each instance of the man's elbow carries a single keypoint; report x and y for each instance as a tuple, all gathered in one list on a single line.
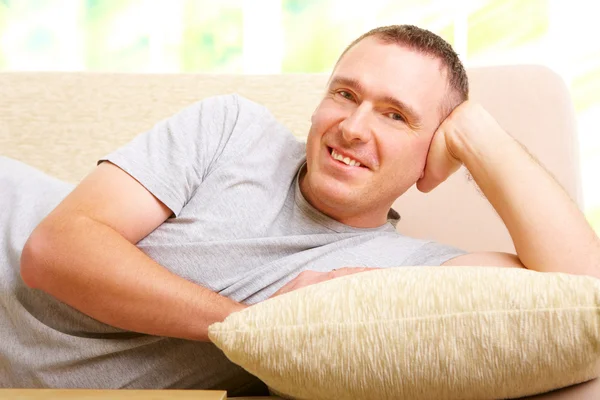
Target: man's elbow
[(35, 257)]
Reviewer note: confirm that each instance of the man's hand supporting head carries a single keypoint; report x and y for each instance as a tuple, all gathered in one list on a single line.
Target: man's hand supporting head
[(549, 232)]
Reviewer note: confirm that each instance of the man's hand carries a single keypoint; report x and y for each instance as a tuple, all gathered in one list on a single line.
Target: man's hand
[(306, 278), (548, 230), (466, 126)]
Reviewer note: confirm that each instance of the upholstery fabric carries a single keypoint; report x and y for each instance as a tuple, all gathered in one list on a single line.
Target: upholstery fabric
[(422, 333)]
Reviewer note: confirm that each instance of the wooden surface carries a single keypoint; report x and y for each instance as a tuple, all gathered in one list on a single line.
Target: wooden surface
[(87, 394), (589, 390)]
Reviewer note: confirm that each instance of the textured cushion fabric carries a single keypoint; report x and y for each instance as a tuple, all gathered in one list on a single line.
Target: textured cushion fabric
[(422, 333)]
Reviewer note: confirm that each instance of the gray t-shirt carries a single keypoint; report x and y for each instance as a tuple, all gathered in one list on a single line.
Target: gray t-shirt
[(241, 227)]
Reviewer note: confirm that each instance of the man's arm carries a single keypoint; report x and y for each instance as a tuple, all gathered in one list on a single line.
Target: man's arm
[(549, 232), (84, 254)]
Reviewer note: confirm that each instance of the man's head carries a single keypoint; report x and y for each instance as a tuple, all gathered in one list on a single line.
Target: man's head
[(388, 93)]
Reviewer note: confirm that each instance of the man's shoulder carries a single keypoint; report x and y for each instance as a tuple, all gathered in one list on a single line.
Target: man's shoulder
[(234, 109)]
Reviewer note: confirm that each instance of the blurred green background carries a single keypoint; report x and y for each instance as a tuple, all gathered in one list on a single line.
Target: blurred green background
[(272, 36)]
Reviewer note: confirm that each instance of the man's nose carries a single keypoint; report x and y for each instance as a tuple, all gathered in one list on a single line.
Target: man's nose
[(355, 127)]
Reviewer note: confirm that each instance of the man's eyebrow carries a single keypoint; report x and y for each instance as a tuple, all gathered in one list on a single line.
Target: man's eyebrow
[(409, 111)]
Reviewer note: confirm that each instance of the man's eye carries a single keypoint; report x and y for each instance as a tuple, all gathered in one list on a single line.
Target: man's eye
[(396, 116), (345, 94)]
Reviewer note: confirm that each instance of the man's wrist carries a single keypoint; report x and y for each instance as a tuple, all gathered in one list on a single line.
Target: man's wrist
[(238, 307), (477, 143), (219, 315)]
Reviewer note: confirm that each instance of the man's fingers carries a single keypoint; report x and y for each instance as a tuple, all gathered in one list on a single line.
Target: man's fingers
[(437, 172), (440, 163)]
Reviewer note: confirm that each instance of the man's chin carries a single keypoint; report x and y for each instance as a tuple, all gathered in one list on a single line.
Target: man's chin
[(337, 198), (329, 189)]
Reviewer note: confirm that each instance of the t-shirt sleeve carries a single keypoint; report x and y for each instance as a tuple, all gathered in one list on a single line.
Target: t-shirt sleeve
[(173, 158), (432, 254)]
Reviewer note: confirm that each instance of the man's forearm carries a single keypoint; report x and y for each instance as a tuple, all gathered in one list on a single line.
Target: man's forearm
[(548, 230), (95, 270)]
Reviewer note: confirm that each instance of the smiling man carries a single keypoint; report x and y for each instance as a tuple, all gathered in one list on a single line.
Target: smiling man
[(219, 207), (382, 106)]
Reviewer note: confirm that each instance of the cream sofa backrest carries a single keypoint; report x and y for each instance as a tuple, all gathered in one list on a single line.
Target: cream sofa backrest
[(62, 122)]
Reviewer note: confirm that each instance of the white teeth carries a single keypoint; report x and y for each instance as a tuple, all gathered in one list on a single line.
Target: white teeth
[(345, 160)]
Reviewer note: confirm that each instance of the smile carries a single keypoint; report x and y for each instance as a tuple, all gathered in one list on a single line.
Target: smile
[(343, 159)]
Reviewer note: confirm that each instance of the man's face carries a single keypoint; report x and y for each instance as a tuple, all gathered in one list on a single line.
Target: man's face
[(381, 109)]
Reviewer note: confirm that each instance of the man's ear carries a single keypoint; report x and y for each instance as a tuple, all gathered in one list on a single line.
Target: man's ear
[(422, 174)]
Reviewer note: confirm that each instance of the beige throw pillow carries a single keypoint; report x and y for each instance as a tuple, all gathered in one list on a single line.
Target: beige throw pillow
[(422, 333)]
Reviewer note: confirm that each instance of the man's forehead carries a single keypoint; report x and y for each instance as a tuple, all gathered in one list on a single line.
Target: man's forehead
[(396, 55)]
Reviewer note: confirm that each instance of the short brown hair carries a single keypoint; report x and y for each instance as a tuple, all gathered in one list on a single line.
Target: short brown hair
[(426, 42)]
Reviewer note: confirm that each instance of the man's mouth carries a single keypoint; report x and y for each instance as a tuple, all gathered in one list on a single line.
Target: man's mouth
[(344, 159)]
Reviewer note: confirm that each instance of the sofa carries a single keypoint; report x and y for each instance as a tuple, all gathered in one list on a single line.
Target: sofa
[(62, 123)]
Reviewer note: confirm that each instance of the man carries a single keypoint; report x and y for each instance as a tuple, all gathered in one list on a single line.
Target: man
[(219, 207)]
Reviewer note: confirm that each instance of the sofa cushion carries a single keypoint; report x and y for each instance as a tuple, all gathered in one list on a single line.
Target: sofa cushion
[(422, 333)]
